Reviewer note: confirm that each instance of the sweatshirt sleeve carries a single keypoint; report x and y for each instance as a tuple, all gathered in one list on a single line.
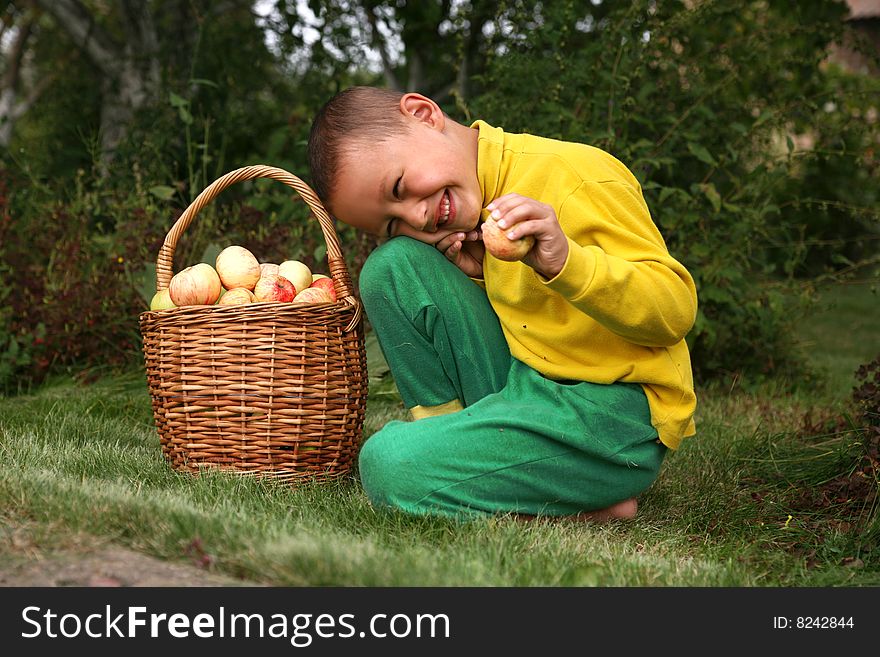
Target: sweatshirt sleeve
[(618, 269)]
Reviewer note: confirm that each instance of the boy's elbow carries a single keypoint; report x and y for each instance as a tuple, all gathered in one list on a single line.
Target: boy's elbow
[(681, 324), (681, 312), (674, 326)]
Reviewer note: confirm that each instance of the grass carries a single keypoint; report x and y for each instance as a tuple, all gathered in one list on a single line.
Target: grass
[(843, 331), (82, 462)]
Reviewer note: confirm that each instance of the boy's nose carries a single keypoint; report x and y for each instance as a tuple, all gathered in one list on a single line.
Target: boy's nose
[(418, 215)]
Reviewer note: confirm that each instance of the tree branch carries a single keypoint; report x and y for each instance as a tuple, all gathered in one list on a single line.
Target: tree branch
[(378, 42), (16, 55), (77, 21)]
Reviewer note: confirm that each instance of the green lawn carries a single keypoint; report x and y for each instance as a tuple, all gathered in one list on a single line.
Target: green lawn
[(735, 506), (844, 331)]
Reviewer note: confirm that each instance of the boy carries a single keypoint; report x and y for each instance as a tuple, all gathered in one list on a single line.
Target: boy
[(550, 386)]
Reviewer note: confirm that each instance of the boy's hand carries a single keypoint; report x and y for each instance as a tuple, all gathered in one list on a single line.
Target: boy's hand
[(519, 216), (465, 251)]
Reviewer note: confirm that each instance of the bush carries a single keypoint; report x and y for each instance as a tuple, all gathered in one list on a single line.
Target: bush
[(70, 299)]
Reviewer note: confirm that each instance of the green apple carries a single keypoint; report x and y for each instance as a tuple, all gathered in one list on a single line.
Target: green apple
[(162, 300)]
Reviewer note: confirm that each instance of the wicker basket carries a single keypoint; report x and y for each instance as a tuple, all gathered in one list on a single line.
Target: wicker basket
[(275, 389)]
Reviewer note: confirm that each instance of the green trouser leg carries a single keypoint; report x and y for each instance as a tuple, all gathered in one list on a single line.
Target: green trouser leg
[(437, 331), (523, 443)]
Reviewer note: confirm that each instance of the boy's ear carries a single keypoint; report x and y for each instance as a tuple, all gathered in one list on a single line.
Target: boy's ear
[(423, 109)]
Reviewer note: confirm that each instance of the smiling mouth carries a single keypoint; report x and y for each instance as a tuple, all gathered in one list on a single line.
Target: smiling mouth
[(445, 209)]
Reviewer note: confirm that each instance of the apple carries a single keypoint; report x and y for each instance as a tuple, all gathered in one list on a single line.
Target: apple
[(237, 267), (498, 244), (161, 300), (268, 268), (317, 276), (325, 284), (297, 273), (274, 288), (197, 285), (236, 297), (313, 295)]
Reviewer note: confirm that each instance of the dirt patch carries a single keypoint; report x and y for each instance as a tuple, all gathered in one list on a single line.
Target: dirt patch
[(107, 566)]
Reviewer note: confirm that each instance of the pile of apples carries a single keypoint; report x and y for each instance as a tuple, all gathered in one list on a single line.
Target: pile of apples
[(237, 277)]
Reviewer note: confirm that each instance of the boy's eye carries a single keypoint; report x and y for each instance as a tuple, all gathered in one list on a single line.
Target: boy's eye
[(396, 189)]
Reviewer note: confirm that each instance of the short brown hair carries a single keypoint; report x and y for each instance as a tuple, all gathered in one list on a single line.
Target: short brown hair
[(357, 116)]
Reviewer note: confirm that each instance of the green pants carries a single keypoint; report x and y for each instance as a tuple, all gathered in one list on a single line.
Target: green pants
[(523, 443)]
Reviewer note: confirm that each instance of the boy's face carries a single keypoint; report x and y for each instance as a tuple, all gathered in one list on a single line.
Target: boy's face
[(421, 182)]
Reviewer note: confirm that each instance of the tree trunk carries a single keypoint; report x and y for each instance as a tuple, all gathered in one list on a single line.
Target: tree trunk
[(10, 106), (129, 70)]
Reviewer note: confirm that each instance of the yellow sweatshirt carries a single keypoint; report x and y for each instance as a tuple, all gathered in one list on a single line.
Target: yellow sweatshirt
[(621, 306)]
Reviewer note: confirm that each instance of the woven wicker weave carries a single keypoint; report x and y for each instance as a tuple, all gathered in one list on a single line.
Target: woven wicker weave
[(276, 389)]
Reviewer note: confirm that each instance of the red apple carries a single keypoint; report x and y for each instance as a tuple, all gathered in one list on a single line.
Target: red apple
[(313, 295), (268, 268), (237, 267), (236, 297), (325, 284), (274, 288), (195, 286), (499, 245)]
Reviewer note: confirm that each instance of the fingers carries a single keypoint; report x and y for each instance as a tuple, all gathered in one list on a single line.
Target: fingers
[(456, 240), (444, 243), (453, 252), (451, 248), (464, 250), (512, 209)]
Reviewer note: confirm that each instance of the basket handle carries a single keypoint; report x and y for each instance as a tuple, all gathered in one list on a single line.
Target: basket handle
[(338, 269)]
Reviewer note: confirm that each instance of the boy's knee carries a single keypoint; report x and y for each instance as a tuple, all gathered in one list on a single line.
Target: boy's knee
[(377, 467), (393, 272), (383, 470), (401, 255)]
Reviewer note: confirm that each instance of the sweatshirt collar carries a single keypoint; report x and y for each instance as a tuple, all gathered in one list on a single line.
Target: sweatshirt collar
[(490, 150)]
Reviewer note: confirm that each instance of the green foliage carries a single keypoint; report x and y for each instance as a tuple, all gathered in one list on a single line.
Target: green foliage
[(71, 301), (757, 160), (829, 206), (695, 102)]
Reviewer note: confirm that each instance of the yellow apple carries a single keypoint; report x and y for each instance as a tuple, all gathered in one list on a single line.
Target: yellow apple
[(297, 273), (237, 267), (499, 245), (236, 297)]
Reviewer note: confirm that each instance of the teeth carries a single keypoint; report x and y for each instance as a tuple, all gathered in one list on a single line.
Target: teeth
[(444, 209)]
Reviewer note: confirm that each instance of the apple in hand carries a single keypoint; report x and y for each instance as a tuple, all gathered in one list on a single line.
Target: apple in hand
[(498, 244), (325, 284), (236, 297), (161, 300), (313, 295), (237, 267), (274, 288), (198, 285), (297, 273)]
